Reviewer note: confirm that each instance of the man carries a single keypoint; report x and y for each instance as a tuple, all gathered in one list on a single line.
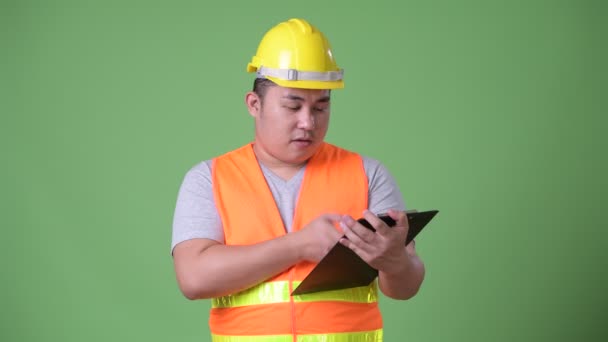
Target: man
[(251, 224)]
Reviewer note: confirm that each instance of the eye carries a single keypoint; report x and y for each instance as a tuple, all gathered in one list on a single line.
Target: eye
[(320, 109), (293, 108)]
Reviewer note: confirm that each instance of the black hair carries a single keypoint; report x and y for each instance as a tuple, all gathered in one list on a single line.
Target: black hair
[(261, 85)]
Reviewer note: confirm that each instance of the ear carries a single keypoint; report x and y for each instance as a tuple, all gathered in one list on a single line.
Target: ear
[(254, 103)]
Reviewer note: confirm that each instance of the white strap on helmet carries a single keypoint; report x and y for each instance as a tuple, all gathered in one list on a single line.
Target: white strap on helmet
[(295, 75)]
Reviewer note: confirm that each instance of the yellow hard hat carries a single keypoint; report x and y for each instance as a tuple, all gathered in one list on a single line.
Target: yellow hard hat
[(296, 54)]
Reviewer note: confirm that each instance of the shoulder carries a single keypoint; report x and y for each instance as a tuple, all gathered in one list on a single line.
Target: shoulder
[(201, 170), (384, 192), (374, 169), (198, 178)]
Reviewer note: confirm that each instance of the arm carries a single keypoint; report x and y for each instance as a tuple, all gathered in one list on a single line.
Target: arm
[(384, 194), (206, 268), (405, 282)]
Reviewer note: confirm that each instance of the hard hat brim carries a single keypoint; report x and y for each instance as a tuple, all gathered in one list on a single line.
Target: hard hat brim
[(303, 84)]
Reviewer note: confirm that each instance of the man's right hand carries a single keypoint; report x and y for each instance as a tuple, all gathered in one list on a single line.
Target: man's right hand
[(206, 268), (318, 237)]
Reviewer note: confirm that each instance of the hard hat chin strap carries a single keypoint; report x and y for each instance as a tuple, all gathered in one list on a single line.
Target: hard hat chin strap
[(295, 75)]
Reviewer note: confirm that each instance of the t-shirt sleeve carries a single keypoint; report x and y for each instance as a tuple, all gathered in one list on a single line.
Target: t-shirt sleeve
[(196, 215), (384, 193)]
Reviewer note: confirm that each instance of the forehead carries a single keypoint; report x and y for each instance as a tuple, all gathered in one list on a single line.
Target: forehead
[(297, 94)]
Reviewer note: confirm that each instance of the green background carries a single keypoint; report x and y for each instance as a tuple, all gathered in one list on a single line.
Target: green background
[(492, 112)]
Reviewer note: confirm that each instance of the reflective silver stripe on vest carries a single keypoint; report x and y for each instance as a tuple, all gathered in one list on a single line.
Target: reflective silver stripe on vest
[(278, 292), (359, 336), (295, 75)]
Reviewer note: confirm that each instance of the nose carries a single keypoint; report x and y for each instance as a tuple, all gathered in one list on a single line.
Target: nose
[(306, 120)]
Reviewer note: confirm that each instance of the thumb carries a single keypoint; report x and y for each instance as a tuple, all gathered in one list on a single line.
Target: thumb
[(332, 217)]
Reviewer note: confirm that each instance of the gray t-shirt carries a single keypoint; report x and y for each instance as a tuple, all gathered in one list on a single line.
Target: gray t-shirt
[(196, 215)]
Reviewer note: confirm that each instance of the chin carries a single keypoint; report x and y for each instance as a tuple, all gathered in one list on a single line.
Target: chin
[(302, 157), (298, 157)]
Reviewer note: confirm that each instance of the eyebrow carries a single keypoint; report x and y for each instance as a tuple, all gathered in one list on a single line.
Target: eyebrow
[(299, 98)]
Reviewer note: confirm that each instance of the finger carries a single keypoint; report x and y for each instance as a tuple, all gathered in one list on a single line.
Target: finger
[(345, 241), (351, 236), (411, 248), (356, 228), (379, 225), (355, 248), (332, 217), (355, 242), (400, 218)]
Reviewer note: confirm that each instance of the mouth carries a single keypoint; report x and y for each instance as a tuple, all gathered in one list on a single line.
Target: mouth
[(303, 142)]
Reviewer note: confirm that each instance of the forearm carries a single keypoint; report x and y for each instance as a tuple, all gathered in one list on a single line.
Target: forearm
[(219, 269), (405, 283)]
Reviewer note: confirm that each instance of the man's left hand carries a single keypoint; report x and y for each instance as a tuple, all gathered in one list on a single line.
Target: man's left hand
[(384, 249)]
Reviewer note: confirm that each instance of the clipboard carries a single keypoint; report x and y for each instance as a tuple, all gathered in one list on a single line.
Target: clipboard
[(342, 268)]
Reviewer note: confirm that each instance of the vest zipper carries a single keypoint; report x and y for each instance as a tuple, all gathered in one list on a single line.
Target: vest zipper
[(293, 306)]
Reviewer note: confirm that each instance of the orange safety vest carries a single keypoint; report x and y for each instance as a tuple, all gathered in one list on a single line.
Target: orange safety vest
[(334, 181)]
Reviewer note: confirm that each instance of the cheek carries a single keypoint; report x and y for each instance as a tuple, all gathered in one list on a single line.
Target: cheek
[(322, 121), (276, 126), (283, 123)]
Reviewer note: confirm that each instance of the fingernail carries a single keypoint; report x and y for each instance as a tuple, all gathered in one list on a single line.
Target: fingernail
[(343, 225)]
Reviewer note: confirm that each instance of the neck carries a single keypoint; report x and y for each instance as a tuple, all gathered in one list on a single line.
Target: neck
[(285, 170)]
